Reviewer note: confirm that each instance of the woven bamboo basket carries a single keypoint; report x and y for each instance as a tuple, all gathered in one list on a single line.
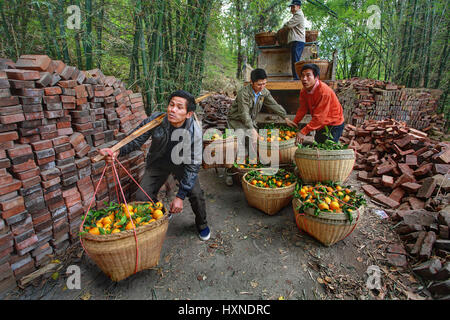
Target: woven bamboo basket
[(115, 254), (266, 38), (229, 143), (286, 150), (326, 227), (238, 173), (311, 35), (324, 165), (282, 37), (268, 200), (322, 64)]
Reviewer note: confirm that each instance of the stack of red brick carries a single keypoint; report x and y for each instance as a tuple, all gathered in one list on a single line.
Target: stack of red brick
[(53, 119), (409, 174), (368, 99), (401, 165)]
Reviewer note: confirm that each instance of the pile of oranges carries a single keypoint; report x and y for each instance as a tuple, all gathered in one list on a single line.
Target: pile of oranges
[(121, 217), (284, 133), (279, 180), (328, 197)]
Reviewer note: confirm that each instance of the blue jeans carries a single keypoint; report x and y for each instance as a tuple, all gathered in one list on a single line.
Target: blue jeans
[(296, 53), (336, 132)]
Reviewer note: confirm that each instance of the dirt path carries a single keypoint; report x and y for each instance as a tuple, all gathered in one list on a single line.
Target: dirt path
[(250, 256)]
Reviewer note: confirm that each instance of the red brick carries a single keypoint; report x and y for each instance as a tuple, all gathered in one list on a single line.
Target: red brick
[(72, 200), (68, 83), (42, 218), (386, 200), (10, 204), (31, 182), (42, 145), (387, 181), (52, 194), (52, 91), (8, 136), (61, 140), (411, 186), (427, 189), (416, 204), (370, 190), (66, 154), (68, 99), (12, 212), (11, 187), (13, 118), (405, 169), (423, 170), (30, 164), (33, 62), (406, 177), (65, 131), (48, 184), (20, 150), (6, 179), (445, 157), (17, 74), (411, 160)]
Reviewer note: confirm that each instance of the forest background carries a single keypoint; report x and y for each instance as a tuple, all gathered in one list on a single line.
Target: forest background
[(203, 45)]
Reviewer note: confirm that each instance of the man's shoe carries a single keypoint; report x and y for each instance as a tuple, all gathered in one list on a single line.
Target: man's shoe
[(204, 234), (229, 181)]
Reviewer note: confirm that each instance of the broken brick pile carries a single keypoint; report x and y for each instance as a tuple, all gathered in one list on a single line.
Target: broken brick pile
[(407, 173), (368, 99), (53, 119), (215, 111)]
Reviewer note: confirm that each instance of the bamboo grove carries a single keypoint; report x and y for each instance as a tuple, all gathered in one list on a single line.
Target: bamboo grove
[(160, 43)]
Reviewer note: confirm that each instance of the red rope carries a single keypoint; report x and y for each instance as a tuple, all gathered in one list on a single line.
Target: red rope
[(116, 182)]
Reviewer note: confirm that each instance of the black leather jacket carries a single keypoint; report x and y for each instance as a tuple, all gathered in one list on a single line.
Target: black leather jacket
[(158, 156)]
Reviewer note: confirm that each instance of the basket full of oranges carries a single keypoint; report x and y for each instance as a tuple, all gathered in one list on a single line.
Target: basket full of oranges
[(124, 239), (327, 211), (269, 189), (284, 136)]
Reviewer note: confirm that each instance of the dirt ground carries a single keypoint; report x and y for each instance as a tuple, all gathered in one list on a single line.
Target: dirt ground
[(250, 255)]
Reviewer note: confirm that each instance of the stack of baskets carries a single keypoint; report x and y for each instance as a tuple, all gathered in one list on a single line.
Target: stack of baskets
[(323, 166), (323, 65)]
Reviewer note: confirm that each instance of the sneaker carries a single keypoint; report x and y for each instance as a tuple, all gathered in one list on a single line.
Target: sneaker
[(204, 234)]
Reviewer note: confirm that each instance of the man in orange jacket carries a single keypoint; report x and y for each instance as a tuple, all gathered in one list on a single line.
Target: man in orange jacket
[(321, 102)]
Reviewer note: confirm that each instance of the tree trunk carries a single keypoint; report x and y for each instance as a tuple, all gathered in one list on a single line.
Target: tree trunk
[(99, 52), (62, 31), (88, 35)]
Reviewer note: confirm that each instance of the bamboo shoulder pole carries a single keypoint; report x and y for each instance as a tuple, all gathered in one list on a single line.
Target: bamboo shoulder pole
[(152, 124)]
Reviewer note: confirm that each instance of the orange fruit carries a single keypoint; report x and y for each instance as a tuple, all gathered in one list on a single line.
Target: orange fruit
[(129, 226), (327, 200), (347, 191), (254, 182), (339, 188), (323, 206), (99, 224), (151, 220), (340, 194), (106, 220), (115, 231), (346, 198), (158, 214), (94, 231), (158, 205), (334, 205), (279, 183)]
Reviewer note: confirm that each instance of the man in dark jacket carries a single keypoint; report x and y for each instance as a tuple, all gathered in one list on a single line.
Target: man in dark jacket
[(170, 155)]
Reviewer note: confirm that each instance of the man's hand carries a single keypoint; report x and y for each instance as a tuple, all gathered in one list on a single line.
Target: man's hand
[(300, 137), (176, 206), (110, 155), (290, 123)]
